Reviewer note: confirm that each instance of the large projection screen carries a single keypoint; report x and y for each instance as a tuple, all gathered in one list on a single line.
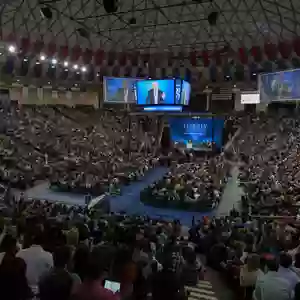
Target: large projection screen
[(250, 98), (279, 86), (119, 90)]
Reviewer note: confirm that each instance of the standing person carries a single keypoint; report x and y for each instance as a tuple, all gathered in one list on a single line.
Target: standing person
[(13, 282), (38, 261), (155, 95), (59, 282), (249, 274), (271, 285), (92, 286)]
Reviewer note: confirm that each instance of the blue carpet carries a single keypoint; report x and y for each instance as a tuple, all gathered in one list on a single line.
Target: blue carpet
[(130, 203)]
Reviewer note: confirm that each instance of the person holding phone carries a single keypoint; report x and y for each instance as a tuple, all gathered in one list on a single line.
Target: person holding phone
[(92, 287)]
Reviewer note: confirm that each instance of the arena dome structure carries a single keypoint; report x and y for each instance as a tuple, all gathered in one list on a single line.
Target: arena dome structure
[(200, 40)]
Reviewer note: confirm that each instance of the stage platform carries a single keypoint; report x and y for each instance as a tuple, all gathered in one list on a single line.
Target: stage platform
[(129, 202), (43, 191)]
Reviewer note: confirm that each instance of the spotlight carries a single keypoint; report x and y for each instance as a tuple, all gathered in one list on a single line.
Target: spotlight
[(66, 64), (54, 61), (42, 57), (12, 49), (83, 69), (75, 67)]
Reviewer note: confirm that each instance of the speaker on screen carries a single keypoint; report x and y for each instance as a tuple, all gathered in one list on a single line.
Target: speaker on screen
[(156, 92)]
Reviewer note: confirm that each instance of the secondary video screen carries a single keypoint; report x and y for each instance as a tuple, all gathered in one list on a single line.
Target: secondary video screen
[(185, 93), (155, 92), (119, 90)]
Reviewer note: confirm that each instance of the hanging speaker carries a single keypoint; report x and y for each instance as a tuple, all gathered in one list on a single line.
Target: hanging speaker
[(212, 18), (110, 6)]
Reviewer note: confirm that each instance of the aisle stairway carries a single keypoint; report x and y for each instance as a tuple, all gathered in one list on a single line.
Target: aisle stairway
[(203, 291)]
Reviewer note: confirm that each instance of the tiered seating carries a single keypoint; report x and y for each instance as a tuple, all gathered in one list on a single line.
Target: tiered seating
[(54, 144), (270, 148)]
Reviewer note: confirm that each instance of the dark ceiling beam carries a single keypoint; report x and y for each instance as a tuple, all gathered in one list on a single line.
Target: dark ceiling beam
[(134, 27), (183, 3)]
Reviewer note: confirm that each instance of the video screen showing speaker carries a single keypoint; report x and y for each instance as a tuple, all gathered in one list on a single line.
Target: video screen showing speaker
[(156, 92), (196, 133), (279, 86), (119, 90)]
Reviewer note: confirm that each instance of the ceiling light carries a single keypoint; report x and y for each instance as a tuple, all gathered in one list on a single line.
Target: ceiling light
[(54, 61), (12, 49), (25, 59), (66, 70), (66, 64), (83, 69), (42, 57), (75, 67), (37, 63)]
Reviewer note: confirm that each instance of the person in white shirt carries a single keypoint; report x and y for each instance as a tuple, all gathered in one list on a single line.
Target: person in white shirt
[(38, 262), (271, 285)]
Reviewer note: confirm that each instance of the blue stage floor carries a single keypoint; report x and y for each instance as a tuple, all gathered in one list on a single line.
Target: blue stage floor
[(130, 203)]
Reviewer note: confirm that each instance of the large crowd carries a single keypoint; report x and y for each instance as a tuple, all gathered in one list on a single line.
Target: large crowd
[(77, 152), (50, 251)]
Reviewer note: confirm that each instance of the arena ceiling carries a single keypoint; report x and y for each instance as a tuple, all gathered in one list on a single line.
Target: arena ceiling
[(153, 24)]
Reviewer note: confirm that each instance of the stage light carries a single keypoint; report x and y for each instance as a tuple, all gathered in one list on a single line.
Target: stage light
[(66, 63), (12, 49), (42, 57), (54, 61), (75, 67), (83, 69)]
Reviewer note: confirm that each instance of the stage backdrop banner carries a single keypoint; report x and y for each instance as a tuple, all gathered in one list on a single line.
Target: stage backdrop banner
[(119, 90), (197, 131), (250, 98), (279, 86)]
